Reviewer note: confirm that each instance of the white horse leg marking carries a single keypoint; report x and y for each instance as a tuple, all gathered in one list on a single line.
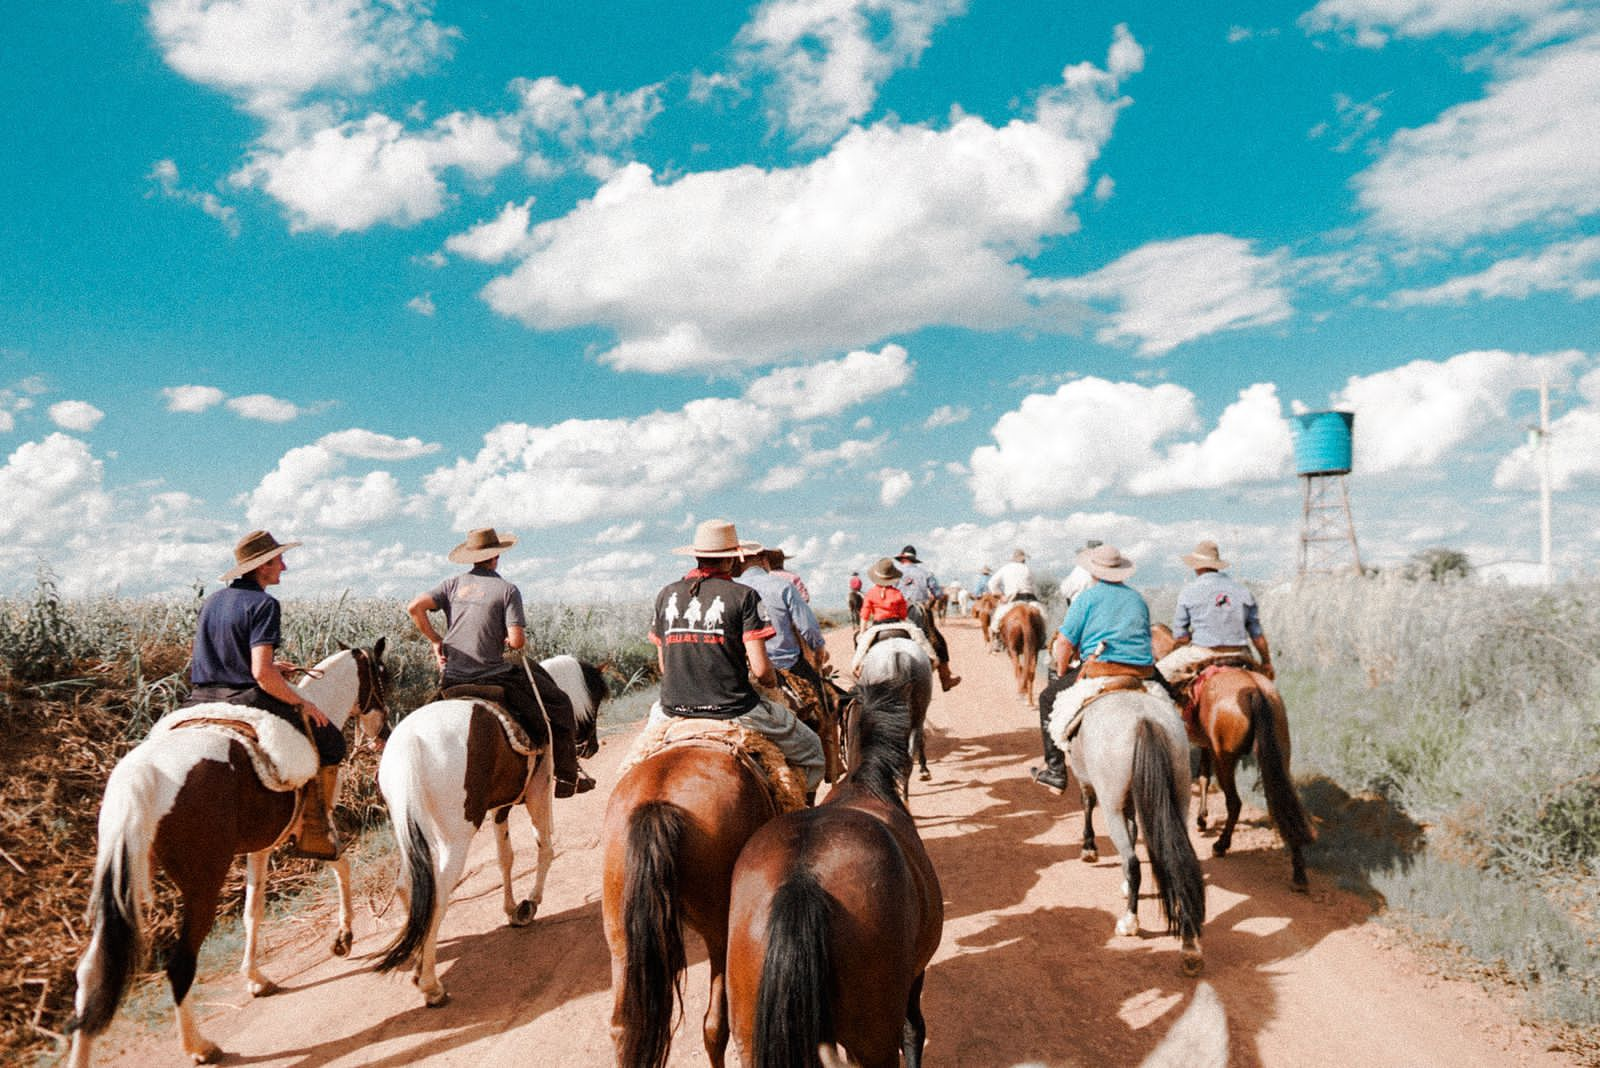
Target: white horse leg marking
[(447, 872), (540, 801), (347, 913), (255, 908), (200, 1049)]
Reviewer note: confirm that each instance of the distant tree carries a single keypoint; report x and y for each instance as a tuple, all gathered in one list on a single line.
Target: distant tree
[(1438, 564)]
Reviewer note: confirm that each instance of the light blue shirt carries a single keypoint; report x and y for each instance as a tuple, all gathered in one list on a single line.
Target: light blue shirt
[(918, 583), (1110, 621), (1215, 610), (792, 618)]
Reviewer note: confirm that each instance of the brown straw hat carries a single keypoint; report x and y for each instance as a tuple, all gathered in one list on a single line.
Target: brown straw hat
[(884, 573), (717, 538), (1206, 554), (481, 544), (253, 550), (1106, 563)]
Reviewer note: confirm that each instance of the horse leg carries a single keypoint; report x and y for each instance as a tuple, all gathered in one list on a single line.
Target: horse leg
[(1091, 851), (915, 1032), (715, 1027), (343, 937), (255, 907), (201, 890), (1230, 796), (516, 915), (1201, 819), (452, 858), (1121, 827), (540, 801)]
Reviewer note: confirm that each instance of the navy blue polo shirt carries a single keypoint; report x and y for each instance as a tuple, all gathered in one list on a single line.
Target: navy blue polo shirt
[(232, 622)]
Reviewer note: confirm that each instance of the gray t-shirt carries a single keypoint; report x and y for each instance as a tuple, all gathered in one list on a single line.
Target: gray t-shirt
[(479, 609)]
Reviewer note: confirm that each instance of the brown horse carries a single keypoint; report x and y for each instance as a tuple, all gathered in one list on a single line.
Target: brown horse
[(673, 828), (836, 911), (190, 800), (1238, 712), (1022, 632), (983, 610)]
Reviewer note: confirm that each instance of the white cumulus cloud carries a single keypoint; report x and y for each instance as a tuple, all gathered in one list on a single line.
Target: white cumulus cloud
[(77, 415), (893, 485), (1252, 442), (308, 489), (1564, 267), (263, 408), (946, 415), (829, 387), (495, 240), (192, 399), (1574, 447), (51, 487), (1372, 22)]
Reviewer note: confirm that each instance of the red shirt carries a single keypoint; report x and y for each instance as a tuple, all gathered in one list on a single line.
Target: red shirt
[(883, 604)]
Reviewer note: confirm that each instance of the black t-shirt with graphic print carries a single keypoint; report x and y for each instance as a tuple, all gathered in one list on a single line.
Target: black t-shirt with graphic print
[(701, 624)]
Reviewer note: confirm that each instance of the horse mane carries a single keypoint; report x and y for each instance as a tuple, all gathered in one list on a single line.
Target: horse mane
[(883, 763), (595, 682)]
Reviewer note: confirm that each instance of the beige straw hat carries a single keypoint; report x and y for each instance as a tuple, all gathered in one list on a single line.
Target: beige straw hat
[(1206, 554), (717, 538), (481, 544), (253, 550), (884, 573), (1106, 563)]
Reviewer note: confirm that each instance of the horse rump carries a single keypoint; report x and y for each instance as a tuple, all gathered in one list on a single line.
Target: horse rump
[(653, 927), (416, 860), (1283, 802), (1161, 814), (794, 1015)]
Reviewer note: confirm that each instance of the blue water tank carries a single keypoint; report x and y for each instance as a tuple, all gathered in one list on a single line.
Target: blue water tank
[(1322, 443)]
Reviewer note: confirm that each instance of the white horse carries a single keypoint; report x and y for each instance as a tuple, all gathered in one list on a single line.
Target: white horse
[(1131, 754), (901, 662), (190, 800), (448, 767)]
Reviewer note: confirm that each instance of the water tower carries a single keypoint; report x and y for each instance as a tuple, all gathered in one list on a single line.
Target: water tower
[(1322, 453)]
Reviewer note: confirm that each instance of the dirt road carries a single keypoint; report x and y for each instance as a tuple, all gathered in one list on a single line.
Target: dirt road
[(1029, 969)]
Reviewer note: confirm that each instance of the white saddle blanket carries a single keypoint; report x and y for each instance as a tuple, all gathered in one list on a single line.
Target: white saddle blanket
[(865, 639), (283, 757)]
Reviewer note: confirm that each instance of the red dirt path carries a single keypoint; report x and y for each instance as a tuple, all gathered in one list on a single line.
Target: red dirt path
[(1029, 969)]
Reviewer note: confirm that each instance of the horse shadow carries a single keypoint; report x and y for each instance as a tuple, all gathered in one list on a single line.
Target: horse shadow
[(511, 977)]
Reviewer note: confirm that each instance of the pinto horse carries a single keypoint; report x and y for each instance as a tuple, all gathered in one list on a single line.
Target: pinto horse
[(900, 662), (447, 768), (1022, 632), (191, 800), (673, 828), (1130, 754), (1237, 712), (836, 911)]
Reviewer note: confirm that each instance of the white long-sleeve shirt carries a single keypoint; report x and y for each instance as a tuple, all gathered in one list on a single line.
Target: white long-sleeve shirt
[(1012, 579)]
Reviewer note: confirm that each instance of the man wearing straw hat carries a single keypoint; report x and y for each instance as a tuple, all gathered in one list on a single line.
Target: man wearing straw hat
[(710, 635), (238, 632), (1109, 625), (483, 618), (1216, 617), (885, 605)]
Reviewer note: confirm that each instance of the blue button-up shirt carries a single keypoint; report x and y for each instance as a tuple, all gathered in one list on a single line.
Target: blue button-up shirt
[(792, 618), (918, 583), (1214, 610)]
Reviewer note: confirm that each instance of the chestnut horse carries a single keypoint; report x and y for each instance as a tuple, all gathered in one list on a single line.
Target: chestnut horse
[(983, 610), (1131, 756), (448, 768), (190, 800), (1022, 632), (673, 828), (836, 911), (1239, 711)]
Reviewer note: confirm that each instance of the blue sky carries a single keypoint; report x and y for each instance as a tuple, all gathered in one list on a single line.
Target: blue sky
[(851, 273)]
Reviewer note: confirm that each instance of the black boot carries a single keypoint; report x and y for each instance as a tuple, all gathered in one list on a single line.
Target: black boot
[(1054, 772)]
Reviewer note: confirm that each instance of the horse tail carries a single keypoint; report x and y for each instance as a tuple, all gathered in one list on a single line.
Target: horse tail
[(416, 864), (1283, 802), (120, 894), (653, 932), (1161, 812), (794, 1015)]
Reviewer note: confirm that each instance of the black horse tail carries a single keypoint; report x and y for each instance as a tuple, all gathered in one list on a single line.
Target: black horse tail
[(794, 1013), (416, 860), (121, 891), (1161, 813), (1283, 802), (653, 932)]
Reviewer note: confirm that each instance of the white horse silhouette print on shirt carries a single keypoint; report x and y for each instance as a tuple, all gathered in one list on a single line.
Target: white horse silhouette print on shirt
[(713, 620), (691, 615), (670, 613)]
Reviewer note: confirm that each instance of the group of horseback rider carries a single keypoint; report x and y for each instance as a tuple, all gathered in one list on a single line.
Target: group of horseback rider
[(1105, 637)]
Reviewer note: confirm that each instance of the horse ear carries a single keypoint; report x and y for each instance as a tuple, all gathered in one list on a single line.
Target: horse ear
[(343, 647), (378, 646)]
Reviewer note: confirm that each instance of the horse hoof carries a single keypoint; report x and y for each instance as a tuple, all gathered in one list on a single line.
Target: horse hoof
[(265, 988), (341, 944), (1192, 964), (1089, 856), (925, 775), (523, 914), (207, 1053), (1300, 886), (436, 1000), (1219, 850), (1128, 925)]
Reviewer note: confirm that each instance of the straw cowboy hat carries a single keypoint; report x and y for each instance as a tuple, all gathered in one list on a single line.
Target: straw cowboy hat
[(1106, 563), (884, 573), (908, 553), (253, 550), (1092, 543), (481, 544), (1207, 555), (717, 538), (1019, 556)]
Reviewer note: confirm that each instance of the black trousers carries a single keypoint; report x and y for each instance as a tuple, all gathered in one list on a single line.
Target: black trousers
[(922, 617), (328, 739), (522, 703)]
